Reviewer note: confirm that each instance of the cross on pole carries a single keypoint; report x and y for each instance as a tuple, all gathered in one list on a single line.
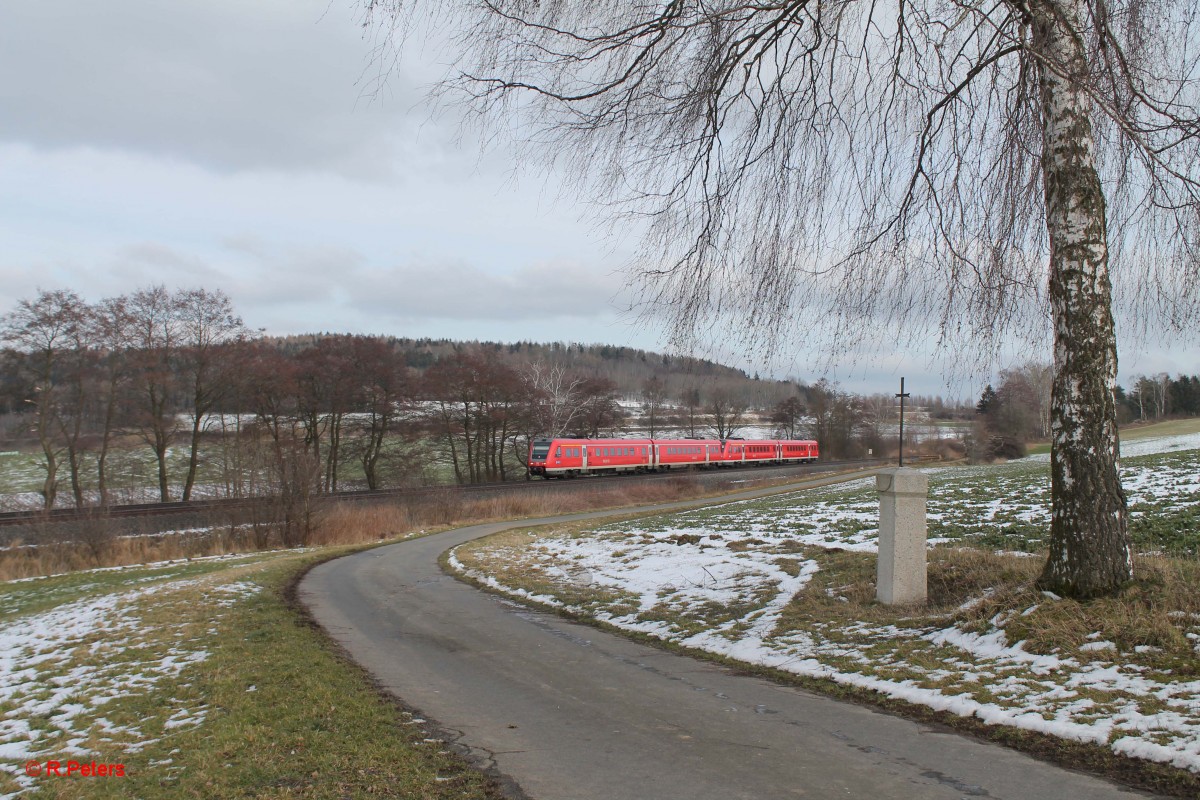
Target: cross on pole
[(903, 394)]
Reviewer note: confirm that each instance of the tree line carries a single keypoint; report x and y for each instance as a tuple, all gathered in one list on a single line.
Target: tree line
[(1017, 411), (1155, 397), (222, 410)]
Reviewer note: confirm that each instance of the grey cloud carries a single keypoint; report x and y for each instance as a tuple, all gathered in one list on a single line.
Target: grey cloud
[(306, 275), (227, 85), (466, 292)]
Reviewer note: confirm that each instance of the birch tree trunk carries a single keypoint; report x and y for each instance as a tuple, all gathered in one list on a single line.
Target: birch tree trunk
[(1089, 539)]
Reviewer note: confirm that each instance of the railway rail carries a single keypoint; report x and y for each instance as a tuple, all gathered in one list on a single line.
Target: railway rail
[(204, 506)]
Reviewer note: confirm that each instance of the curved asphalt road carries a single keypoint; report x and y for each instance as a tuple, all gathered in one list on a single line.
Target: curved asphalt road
[(573, 713)]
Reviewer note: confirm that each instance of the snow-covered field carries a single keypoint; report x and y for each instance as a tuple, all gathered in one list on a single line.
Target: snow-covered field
[(105, 675), (722, 580)]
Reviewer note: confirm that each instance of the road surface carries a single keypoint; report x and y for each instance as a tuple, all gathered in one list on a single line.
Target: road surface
[(569, 712)]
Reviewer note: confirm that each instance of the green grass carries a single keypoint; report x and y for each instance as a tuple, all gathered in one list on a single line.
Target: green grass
[(1172, 427), (285, 715), (132, 465), (41, 594)]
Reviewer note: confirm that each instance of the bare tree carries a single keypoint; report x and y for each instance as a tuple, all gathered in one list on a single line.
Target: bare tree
[(880, 413), (113, 335), (601, 413), (554, 397), (74, 404), (43, 333), (912, 164), (154, 322), (727, 412), (472, 405), (326, 394), (690, 415), (207, 327), (383, 384), (787, 415), (1040, 378), (1162, 394), (654, 403)]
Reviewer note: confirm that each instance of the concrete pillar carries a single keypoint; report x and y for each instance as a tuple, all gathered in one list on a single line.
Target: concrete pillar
[(900, 576)]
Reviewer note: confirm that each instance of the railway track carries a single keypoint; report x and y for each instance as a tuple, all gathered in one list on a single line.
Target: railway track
[(208, 507)]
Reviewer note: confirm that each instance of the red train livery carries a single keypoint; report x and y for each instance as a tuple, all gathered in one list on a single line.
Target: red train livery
[(564, 458)]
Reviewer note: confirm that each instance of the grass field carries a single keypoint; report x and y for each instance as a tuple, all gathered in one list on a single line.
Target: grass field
[(787, 583), (201, 681), (1172, 427)]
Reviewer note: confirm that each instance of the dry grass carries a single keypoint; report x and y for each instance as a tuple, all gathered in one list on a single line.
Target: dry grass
[(106, 543), (844, 589), (972, 588), (351, 524), (53, 558)]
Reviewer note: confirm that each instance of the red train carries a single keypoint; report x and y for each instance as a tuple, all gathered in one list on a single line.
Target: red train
[(564, 458)]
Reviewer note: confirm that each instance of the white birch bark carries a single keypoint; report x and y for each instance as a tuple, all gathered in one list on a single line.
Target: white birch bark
[(1089, 540)]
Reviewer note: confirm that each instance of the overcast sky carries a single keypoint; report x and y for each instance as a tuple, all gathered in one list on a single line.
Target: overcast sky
[(243, 145)]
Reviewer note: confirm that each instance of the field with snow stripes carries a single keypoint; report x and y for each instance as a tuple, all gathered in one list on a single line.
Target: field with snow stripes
[(788, 583), (198, 679), (112, 671)]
